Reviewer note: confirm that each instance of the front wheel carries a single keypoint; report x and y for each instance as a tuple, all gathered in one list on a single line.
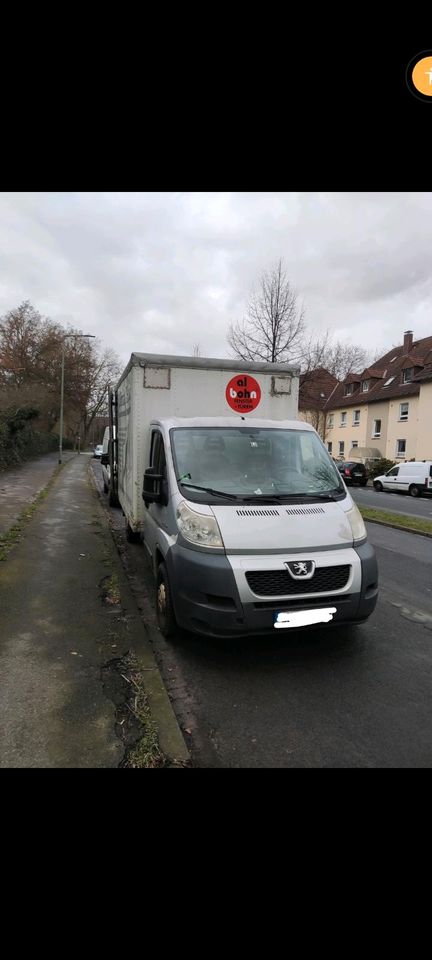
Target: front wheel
[(164, 605), (112, 497), (378, 486), (414, 490)]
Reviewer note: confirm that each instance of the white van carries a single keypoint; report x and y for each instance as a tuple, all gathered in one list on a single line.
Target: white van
[(246, 519), (414, 478)]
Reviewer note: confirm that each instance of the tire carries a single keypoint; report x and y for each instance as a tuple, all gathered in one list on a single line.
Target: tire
[(112, 498), (164, 606), (414, 490), (363, 483), (378, 486)]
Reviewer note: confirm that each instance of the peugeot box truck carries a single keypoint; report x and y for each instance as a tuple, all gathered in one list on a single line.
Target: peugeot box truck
[(247, 521)]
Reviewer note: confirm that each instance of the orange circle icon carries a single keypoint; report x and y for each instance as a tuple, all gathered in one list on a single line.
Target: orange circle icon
[(422, 76)]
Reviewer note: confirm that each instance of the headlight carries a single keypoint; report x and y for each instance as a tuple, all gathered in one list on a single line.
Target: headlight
[(356, 522), (198, 527)]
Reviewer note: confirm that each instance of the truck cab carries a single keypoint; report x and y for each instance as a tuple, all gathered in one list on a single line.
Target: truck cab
[(250, 527)]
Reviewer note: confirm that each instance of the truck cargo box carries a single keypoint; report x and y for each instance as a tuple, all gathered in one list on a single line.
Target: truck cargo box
[(156, 386)]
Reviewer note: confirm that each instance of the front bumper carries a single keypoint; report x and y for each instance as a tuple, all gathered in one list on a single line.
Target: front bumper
[(211, 596)]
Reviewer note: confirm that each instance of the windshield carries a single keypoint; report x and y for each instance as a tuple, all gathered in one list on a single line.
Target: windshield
[(253, 463)]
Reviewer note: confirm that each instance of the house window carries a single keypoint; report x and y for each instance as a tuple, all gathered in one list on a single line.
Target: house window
[(330, 421), (390, 380), (330, 446), (376, 432), (354, 443), (343, 419), (403, 411), (400, 448), (365, 386), (349, 388), (407, 375), (341, 447), (356, 418)]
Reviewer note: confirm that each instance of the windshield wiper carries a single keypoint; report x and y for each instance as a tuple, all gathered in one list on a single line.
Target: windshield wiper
[(304, 497), (215, 493), (263, 497), (330, 495)]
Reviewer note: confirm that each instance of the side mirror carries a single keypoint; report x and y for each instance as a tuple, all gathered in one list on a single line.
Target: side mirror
[(105, 459), (155, 488)]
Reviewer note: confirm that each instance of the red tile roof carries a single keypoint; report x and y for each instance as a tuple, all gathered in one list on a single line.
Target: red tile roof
[(425, 374), (372, 372), (313, 385), (391, 365)]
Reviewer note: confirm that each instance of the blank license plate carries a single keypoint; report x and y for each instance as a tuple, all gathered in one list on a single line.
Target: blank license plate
[(284, 619)]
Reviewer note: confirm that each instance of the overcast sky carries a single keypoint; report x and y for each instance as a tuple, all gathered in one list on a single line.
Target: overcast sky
[(160, 272)]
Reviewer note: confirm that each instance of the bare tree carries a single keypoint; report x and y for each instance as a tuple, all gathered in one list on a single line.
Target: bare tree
[(196, 350), (344, 358), (333, 355), (274, 324), (21, 336), (274, 329), (30, 362)]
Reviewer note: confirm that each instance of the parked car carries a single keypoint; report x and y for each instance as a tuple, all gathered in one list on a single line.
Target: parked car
[(97, 452), (414, 478), (353, 472)]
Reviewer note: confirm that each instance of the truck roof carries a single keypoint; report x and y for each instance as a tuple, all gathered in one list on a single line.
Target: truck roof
[(237, 421), (207, 363)]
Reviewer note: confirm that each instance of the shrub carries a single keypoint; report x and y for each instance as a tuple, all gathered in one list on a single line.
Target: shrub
[(377, 467), (19, 440)]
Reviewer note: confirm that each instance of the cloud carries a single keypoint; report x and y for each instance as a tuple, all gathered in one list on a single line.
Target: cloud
[(160, 272)]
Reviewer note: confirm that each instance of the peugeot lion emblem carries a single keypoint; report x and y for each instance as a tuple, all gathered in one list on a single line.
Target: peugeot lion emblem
[(301, 569)]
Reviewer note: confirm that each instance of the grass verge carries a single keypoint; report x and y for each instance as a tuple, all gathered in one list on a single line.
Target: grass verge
[(145, 751), (411, 524)]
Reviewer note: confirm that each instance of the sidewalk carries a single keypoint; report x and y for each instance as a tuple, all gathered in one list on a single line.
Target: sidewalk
[(58, 637), (21, 484)]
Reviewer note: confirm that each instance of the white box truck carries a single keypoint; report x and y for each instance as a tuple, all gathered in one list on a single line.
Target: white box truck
[(246, 519)]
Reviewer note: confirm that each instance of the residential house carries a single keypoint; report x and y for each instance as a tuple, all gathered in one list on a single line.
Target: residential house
[(316, 388), (387, 406)]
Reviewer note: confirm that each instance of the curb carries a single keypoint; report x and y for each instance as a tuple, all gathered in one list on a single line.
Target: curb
[(170, 737), (395, 526)]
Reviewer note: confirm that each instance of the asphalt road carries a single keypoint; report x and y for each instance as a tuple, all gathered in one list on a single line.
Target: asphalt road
[(356, 697), (396, 502)]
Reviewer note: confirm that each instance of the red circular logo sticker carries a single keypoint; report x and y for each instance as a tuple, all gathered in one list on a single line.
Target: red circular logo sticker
[(243, 393)]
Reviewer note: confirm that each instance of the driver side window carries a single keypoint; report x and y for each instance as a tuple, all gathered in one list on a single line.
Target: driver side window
[(157, 454)]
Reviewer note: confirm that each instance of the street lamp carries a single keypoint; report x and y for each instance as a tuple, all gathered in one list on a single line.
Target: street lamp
[(74, 336)]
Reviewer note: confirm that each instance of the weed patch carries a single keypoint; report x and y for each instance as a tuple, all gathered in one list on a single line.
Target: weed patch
[(124, 683)]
